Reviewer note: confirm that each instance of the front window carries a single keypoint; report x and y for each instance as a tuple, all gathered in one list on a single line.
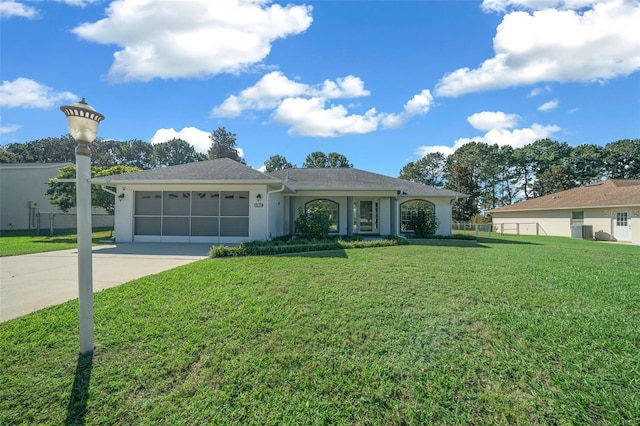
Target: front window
[(329, 207), (409, 209)]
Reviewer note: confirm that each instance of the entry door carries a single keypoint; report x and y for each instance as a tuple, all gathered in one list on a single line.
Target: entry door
[(622, 226), (367, 216)]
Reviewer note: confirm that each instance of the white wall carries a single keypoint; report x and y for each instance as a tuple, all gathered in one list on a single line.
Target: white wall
[(23, 186), (558, 222)]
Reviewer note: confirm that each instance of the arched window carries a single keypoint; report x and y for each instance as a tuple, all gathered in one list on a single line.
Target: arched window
[(331, 207), (409, 209)]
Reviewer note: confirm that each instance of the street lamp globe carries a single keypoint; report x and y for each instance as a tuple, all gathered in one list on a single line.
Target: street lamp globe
[(83, 122)]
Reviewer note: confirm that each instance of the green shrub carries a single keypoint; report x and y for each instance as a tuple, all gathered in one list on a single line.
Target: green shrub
[(424, 222), (313, 224)]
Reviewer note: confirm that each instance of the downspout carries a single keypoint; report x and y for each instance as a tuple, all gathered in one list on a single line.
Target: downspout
[(267, 233)]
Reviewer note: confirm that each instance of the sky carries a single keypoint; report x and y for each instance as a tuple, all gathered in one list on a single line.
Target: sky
[(381, 82)]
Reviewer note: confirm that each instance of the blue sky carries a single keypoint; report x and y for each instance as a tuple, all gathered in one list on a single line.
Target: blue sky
[(382, 82)]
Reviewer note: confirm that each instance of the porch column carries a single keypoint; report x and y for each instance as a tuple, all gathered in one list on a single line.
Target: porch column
[(349, 216), (394, 215), (292, 215)]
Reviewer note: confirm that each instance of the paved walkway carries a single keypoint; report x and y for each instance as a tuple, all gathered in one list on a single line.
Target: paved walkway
[(34, 281)]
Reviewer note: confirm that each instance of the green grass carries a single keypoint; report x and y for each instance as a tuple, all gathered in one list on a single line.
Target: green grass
[(14, 243), (506, 330)]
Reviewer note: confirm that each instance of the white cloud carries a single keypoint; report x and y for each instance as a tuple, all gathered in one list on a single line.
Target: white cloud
[(574, 110), (304, 107), (487, 120), (418, 105), (309, 117), (548, 106), (26, 93), (198, 38), (539, 90), (499, 134), (196, 137), (9, 128), (504, 5), (272, 88), (554, 45), (11, 8), (79, 3)]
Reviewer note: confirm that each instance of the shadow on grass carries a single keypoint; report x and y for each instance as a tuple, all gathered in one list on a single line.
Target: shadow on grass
[(339, 253), (478, 242), (77, 408)]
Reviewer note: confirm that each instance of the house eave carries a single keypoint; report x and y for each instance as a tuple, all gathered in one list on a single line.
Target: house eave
[(609, 206)]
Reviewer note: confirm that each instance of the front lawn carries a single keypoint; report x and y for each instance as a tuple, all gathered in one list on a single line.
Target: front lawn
[(14, 243), (505, 330)]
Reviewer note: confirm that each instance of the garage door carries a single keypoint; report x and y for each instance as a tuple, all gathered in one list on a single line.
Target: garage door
[(191, 213)]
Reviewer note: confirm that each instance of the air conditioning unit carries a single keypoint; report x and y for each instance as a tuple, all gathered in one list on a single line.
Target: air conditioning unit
[(584, 232)]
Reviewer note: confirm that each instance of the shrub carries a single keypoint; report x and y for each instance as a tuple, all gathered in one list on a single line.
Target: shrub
[(313, 224), (424, 222)]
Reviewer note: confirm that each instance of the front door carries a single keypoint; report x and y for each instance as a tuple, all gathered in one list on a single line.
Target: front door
[(366, 215), (622, 226)]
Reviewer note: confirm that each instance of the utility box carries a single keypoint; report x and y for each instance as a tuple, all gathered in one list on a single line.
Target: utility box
[(584, 232)]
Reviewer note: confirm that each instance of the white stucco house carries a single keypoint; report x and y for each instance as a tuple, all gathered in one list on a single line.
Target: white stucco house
[(607, 210), (224, 202), (24, 205)]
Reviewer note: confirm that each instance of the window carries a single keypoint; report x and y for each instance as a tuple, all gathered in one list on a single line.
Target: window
[(328, 206), (622, 219), (410, 209), (577, 218)]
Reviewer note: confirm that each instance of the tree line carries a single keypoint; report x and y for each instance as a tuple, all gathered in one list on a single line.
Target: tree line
[(109, 153), (491, 175), (495, 176)]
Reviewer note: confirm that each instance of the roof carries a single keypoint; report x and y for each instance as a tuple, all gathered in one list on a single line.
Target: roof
[(609, 193), (219, 170), (33, 165), (348, 178), (225, 170)]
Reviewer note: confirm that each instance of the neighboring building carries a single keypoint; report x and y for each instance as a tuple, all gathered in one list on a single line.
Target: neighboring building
[(24, 205), (608, 210), (222, 201)]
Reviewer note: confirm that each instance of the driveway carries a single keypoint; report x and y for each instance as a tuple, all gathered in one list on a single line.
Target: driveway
[(34, 281)]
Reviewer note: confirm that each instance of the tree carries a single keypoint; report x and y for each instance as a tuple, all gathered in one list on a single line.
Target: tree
[(338, 161), (277, 162), (622, 159), (47, 150), (460, 178), (586, 164), (320, 160), (553, 180), (223, 145), (174, 152), (131, 153), (428, 170), (63, 194), (7, 156)]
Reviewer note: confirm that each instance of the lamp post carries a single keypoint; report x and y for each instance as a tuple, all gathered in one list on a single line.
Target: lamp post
[(83, 123)]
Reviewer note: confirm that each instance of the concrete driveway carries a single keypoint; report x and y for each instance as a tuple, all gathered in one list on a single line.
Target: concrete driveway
[(34, 281)]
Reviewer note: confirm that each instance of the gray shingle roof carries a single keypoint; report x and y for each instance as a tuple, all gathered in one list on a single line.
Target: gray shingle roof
[(218, 170), (225, 170), (348, 178), (610, 193)]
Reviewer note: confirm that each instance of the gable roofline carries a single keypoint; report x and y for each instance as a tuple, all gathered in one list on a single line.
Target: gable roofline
[(611, 193)]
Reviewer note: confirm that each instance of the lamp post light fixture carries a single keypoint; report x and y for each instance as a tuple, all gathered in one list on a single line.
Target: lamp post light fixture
[(83, 123)]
